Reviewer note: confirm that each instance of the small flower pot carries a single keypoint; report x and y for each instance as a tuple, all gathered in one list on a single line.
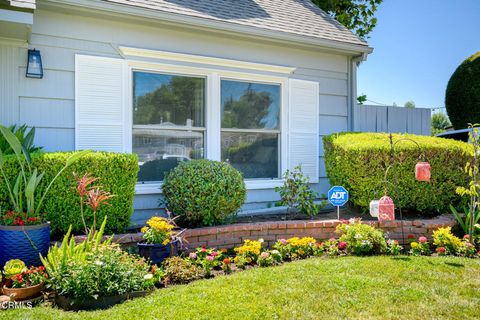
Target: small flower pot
[(21, 294), (25, 243), (155, 252), (70, 304)]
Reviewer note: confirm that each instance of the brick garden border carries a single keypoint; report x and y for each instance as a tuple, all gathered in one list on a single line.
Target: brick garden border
[(229, 236)]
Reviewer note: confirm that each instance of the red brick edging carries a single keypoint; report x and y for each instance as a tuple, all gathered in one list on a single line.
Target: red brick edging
[(229, 236)]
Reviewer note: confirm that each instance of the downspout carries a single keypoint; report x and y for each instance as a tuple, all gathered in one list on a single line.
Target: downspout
[(354, 62)]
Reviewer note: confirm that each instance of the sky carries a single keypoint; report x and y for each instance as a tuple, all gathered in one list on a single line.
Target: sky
[(418, 44)]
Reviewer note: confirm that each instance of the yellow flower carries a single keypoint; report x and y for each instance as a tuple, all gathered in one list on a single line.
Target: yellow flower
[(166, 241), (249, 247), (414, 245), (144, 230), (160, 224)]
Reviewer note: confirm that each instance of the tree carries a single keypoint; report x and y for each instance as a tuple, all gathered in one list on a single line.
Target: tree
[(409, 104), (356, 15), (440, 122), (462, 98), (362, 99)]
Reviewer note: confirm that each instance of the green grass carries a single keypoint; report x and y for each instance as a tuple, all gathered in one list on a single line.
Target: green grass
[(318, 288)]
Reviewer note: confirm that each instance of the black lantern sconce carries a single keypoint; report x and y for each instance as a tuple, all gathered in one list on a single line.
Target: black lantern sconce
[(34, 65)]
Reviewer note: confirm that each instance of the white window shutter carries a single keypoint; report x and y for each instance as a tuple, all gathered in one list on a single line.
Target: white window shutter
[(303, 135), (101, 115)]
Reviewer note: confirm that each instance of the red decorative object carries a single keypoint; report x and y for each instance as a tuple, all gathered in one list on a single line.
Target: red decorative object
[(386, 209), (422, 171)]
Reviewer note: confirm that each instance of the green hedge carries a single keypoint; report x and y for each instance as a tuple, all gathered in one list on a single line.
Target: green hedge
[(117, 174), (358, 161), (462, 97)]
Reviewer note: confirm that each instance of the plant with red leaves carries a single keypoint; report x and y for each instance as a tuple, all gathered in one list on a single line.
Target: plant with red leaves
[(84, 185), (97, 197)]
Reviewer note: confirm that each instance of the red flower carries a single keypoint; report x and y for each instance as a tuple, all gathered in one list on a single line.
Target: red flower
[(342, 245), (441, 250), (410, 236), (344, 221), (18, 222), (226, 261)]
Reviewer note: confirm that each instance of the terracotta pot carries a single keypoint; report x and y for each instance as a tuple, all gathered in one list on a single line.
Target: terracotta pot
[(20, 294)]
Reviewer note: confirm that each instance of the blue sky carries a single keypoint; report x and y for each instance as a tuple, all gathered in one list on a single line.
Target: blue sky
[(417, 46)]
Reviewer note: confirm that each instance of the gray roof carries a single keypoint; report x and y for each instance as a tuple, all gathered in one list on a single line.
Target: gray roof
[(296, 17)]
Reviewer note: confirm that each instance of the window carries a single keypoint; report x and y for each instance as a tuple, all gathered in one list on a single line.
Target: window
[(250, 128), (168, 122)]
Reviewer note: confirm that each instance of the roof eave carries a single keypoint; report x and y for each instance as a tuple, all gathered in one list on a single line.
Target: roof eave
[(219, 26)]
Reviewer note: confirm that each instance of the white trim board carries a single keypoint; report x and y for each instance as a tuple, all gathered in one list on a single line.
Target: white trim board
[(129, 52)]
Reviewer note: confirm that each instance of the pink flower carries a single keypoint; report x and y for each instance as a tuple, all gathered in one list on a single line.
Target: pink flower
[(203, 250), (342, 245), (192, 255), (466, 237), (214, 254), (422, 239), (210, 258), (332, 239), (264, 255), (344, 221), (283, 241)]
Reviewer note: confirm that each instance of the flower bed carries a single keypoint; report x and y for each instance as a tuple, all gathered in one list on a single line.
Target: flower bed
[(229, 236)]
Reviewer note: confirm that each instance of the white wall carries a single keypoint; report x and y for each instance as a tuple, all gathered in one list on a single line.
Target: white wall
[(48, 103)]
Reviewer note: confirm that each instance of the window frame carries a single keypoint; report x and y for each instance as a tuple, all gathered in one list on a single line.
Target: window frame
[(212, 138), (277, 132)]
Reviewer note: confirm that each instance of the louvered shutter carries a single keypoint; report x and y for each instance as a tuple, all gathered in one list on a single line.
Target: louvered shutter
[(101, 117), (303, 135)]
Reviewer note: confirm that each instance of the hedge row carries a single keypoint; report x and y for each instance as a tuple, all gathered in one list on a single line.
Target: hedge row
[(117, 174), (358, 161)]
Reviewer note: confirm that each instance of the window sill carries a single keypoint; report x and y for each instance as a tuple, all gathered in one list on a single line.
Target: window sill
[(156, 188)]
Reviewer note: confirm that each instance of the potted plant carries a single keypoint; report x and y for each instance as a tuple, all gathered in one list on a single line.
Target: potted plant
[(24, 231), (158, 237), (22, 283)]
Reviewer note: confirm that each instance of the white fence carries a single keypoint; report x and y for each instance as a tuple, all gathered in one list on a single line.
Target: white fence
[(393, 119)]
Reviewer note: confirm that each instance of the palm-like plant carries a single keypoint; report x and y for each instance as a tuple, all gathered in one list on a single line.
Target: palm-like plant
[(22, 192)]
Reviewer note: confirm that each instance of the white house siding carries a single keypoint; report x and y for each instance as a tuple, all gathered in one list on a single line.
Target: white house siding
[(48, 104)]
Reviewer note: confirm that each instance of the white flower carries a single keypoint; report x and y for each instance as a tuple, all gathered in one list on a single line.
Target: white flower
[(99, 263), (261, 240), (275, 252), (148, 276)]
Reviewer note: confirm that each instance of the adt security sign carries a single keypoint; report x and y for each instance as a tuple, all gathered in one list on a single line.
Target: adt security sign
[(338, 196)]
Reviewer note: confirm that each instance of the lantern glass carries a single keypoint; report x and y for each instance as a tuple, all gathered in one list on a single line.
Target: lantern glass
[(374, 208), (34, 65), (422, 171)]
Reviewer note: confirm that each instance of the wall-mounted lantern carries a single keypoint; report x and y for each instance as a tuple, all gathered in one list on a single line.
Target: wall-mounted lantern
[(422, 171), (34, 65)]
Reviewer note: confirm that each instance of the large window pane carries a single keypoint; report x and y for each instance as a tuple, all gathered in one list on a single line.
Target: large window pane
[(168, 99), (159, 151), (254, 154), (249, 105)]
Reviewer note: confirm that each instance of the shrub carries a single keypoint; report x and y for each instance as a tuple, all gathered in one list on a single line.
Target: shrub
[(462, 97), (361, 239), (181, 271), (358, 162), (297, 194), (204, 192), (443, 237), (116, 173)]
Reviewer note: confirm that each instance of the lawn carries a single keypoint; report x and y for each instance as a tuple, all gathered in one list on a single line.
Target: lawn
[(336, 288)]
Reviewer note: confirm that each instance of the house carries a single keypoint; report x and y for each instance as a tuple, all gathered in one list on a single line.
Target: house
[(253, 82)]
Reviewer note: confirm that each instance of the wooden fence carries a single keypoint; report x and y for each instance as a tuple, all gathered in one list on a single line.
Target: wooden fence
[(393, 119)]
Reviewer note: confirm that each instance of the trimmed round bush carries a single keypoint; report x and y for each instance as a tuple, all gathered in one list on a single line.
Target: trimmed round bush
[(462, 98), (116, 173), (358, 162), (204, 192)]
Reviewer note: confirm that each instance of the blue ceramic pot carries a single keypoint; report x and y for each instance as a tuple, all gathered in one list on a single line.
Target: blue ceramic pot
[(24, 243), (155, 252)]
